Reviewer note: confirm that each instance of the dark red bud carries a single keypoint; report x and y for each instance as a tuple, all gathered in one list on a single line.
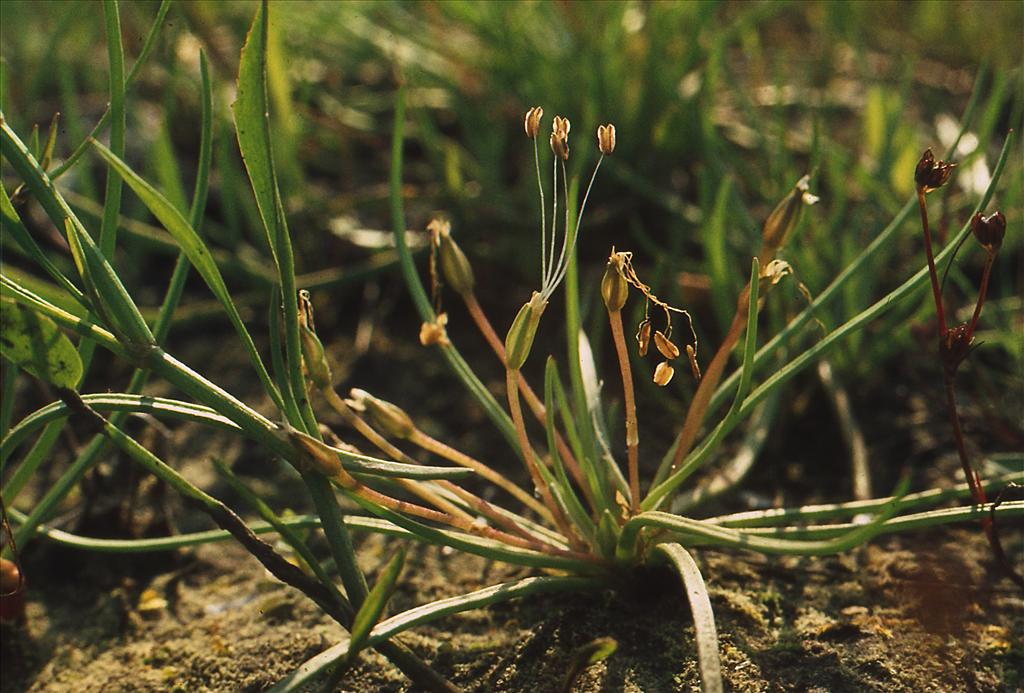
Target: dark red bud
[(931, 174), (989, 230)]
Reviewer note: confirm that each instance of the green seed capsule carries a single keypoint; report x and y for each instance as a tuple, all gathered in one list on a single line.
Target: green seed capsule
[(519, 339), (314, 358), (455, 265), (385, 415), (614, 289)]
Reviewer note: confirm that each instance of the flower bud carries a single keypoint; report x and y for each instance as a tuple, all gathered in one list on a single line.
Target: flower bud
[(606, 138), (643, 337), (614, 289), (389, 417), (931, 174), (989, 230), (665, 345), (433, 333), (663, 374), (519, 339), (560, 137), (454, 264), (531, 122), (784, 217)]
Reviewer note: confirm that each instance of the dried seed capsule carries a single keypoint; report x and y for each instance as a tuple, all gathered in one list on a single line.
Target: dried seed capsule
[(385, 415), (643, 337), (531, 122), (433, 333), (691, 354), (989, 230), (614, 289), (454, 264), (560, 137), (931, 174), (663, 374), (665, 345), (606, 138), (784, 217), (519, 339)]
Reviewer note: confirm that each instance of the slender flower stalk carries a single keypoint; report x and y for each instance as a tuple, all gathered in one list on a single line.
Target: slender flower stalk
[(485, 327)]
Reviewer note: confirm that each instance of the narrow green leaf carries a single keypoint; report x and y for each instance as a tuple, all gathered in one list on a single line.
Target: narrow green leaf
[(251, 109), (703, 616), (370, 612), (198, 254), (252, 127), (34, 343), (108, 295)]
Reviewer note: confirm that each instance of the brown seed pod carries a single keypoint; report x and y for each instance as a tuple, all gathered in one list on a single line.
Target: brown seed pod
[(663, 374), (665, 345), (691, 354), (560, 137), (643, 337)]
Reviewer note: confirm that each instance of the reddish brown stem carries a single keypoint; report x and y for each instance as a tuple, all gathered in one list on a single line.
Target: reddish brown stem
[(973, 479), (511, 379), (986, 274), (712, 375), (632, 434), (532, 401), (932, 273)]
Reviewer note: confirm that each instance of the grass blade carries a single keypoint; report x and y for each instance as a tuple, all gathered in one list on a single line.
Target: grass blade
[(370, 612), (252, 127), (198, 254)]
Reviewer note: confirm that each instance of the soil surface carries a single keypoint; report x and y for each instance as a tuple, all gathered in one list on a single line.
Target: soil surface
[(914, 613)]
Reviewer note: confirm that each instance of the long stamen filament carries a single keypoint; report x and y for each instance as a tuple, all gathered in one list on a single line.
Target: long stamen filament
[(543, 214)]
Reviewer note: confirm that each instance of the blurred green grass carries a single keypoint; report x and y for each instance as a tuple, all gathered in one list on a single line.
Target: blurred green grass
[(720, 107)]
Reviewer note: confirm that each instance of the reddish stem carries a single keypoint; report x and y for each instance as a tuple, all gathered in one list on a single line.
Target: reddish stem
[(532, 401), (632, 435), (932, 274)]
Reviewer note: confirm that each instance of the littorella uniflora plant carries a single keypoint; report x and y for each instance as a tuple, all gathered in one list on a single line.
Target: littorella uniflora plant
[(587, 518), (587, 508)]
